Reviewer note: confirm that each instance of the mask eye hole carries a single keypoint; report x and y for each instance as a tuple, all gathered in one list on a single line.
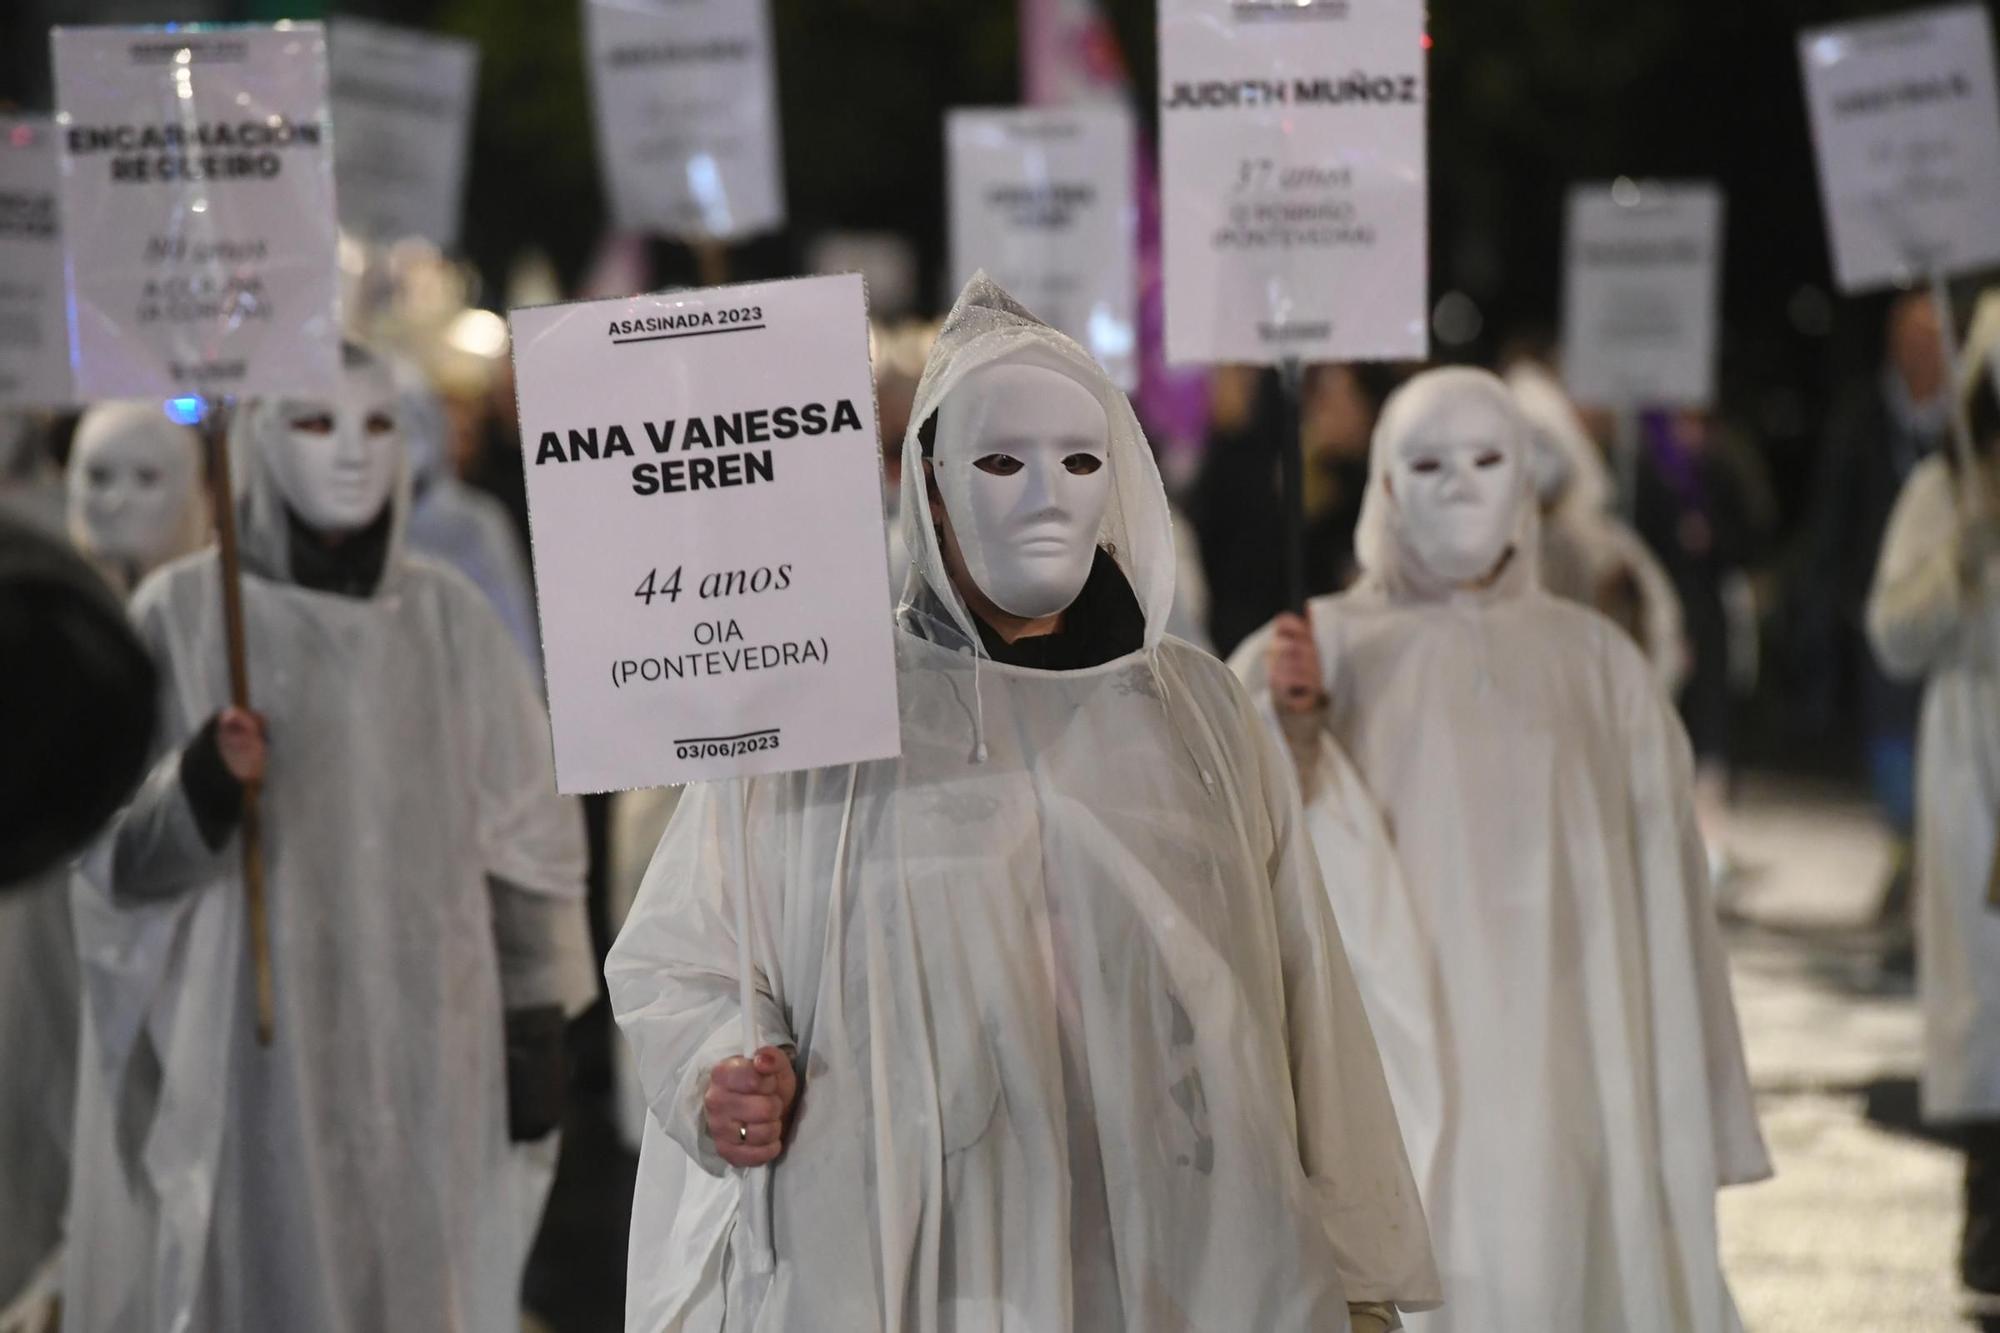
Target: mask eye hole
[(1082, 465), (380, 423), (1424, 467), (313, 423), (148, 477), (1489, 458), (998, 465), (98, 475)]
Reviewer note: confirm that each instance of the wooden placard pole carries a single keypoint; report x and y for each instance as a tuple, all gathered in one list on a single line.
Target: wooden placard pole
[(1292, 480), (231, 563)]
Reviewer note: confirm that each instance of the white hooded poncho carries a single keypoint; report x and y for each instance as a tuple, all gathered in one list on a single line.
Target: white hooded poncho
[(1927, 621), (459, 526), (39, 980), (1585, 544), (422, 878), (38, 1021), (1079, 1049), (1582, 1090)]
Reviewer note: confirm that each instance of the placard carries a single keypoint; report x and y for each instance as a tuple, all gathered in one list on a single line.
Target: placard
[(402, 118), (34, 328), (1643, 282), (706, 513), (1907, 124), (687, 116), (198, 212), (1294, 193), (1042, 200)]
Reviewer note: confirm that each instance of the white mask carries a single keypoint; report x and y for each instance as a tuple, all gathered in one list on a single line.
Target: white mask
[(134, 478), (1456, 475), (1022, 462), (335, 462)]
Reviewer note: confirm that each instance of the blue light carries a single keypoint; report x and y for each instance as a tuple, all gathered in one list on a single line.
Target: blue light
[(185, 411)]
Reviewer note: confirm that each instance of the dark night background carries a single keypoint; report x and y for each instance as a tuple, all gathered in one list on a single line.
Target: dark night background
[(1527, 96)]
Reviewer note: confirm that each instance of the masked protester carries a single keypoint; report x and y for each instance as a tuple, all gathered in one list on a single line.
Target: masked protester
[(135, 502), (1934, 615), (1589, 1088), (457, 525), (1061, 1035), (136, 499), (426, 929), (1589, 554)]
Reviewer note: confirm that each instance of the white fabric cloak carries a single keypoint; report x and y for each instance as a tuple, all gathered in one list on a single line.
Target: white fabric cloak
[(39, 1014), (38, 1020), (1078, 1043), (1581, 1090), (1585, 543), (460, 526), (422, 877)]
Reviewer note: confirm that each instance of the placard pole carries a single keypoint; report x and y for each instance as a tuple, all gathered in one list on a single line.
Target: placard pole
[(1291, 481), (231, 563), (1970, 493), (1626, 444), (736, 872), (711, 262)]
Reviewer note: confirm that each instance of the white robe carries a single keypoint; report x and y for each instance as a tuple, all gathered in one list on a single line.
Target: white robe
[(1079, 1046), (38, 1018), (1080, 1009), (470, 531), (1586, 545), (1925, 622), (356, 1176), (1582, 1091)]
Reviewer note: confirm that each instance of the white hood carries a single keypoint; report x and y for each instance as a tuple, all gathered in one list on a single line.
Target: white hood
[(263, 530), (1557, 427), (985, 326), (1382, 540)]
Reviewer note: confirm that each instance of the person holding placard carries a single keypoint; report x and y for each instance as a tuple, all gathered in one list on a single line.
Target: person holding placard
[(1934, 615), (1588, 1092), (1060, 1034), (427, 933)]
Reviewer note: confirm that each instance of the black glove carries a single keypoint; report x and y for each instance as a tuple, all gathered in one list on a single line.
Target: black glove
[(213, 792), (537, 1073)]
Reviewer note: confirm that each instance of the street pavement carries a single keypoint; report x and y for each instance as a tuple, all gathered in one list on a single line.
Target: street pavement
[(1858, 1232)]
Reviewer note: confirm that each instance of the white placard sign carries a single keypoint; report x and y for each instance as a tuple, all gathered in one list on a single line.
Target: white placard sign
[(1907, 124), (402, 115), (1643, 281), (198, 211), (704, 493), (1042, 200), (687, 116), (1294, 190), (34, 328)]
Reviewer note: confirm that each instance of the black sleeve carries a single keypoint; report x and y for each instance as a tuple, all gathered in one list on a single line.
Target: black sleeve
[(213, 792)]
